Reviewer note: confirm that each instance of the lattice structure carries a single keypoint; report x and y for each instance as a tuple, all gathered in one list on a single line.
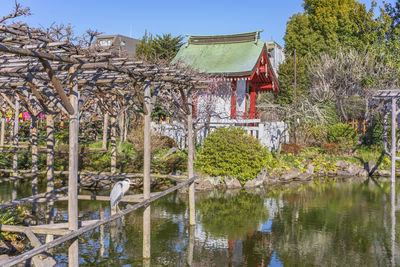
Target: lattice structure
[(47, 71)]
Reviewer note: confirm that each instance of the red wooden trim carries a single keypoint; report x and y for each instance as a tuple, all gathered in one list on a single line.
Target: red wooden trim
[(252, 111), (233, 100)]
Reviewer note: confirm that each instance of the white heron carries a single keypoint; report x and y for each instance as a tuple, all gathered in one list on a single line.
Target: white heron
[(118, 192)]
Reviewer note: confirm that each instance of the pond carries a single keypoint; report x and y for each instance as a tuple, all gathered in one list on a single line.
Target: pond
[(330, 223)]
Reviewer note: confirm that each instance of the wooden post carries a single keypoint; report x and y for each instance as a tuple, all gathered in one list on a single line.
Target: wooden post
[(50, 169), (126, 126), (393, 148), (34, 151), (192, 211), (105, 131), (3, 127), (295, 97), (113, 144), (50, 219), (15, 136), (102, 246), (393, 223), (146, 172), (121, 131), (189, 259), (73, 252), (50, 152)]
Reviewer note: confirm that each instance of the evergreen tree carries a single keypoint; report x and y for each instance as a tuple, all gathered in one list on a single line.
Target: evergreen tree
[(163, 47)]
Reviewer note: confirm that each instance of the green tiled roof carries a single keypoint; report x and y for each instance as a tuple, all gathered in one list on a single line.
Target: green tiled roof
[(230, 55)]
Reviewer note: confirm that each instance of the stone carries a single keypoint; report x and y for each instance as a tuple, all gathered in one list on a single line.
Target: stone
[(342, 173), (321, 170), (355, 170), (203, 184), (232, 182), (385, 173), (310, 169), (342, 164), (304, 176), (271, 178), (4, 257), (331, 173), (291, 174), (258, 181), (363, 173)]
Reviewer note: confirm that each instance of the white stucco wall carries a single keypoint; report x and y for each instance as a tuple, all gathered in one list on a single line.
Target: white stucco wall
[(240, 97)]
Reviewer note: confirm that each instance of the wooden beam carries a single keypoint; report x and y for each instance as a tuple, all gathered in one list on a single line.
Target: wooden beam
[(9, 102), (57, 86), (75, 234), (38, 96), (128, 198), (37, 260), (56, 226), (37, 229)]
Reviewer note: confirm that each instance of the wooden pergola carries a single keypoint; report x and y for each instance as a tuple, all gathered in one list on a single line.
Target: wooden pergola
[(43, 71)]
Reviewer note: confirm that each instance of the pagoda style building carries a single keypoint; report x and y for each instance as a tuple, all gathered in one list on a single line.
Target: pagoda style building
[(239, 58)]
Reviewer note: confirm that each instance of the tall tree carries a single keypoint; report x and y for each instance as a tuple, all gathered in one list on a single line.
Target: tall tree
[(164, 47), (326, 25)]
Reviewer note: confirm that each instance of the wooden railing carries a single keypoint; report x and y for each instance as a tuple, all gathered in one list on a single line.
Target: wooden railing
[(74, 234)]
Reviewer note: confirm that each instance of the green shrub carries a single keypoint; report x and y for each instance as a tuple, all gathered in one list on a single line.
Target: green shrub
[(230, 151), (344, 135), (374, 134)]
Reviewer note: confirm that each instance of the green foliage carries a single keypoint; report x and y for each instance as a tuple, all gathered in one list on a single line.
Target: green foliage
[(326, 25), (230, 151), (344, 135), (11, 216), (286, 80), (374, 134), (163, 46), (355, 107), (232, 216)]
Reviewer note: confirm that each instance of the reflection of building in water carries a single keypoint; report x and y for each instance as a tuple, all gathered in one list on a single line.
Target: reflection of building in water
[(254, 249), (208, 240), (202, 236), (272, 205)]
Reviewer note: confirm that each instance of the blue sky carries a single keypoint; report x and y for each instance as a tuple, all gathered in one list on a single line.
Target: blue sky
[(204, 17)]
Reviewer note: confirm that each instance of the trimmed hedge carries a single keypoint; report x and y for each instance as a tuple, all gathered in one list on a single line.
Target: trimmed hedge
[(232, 152)]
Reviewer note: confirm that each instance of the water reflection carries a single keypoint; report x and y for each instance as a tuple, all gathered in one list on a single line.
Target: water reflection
[(321, 224)]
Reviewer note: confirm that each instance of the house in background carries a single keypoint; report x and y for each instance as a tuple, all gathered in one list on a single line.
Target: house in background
[(121, 43), (241, 59), (243, 62), (276, 54)]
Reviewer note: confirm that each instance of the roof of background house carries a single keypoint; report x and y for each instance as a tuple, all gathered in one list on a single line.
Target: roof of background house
[(126, 43), (229, 55)]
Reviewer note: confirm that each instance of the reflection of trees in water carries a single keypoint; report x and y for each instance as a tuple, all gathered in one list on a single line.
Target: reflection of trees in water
[(328, 225), (258, 249), (232, 216)]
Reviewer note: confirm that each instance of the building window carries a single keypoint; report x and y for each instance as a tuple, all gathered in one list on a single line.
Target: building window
[(105, 42)]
